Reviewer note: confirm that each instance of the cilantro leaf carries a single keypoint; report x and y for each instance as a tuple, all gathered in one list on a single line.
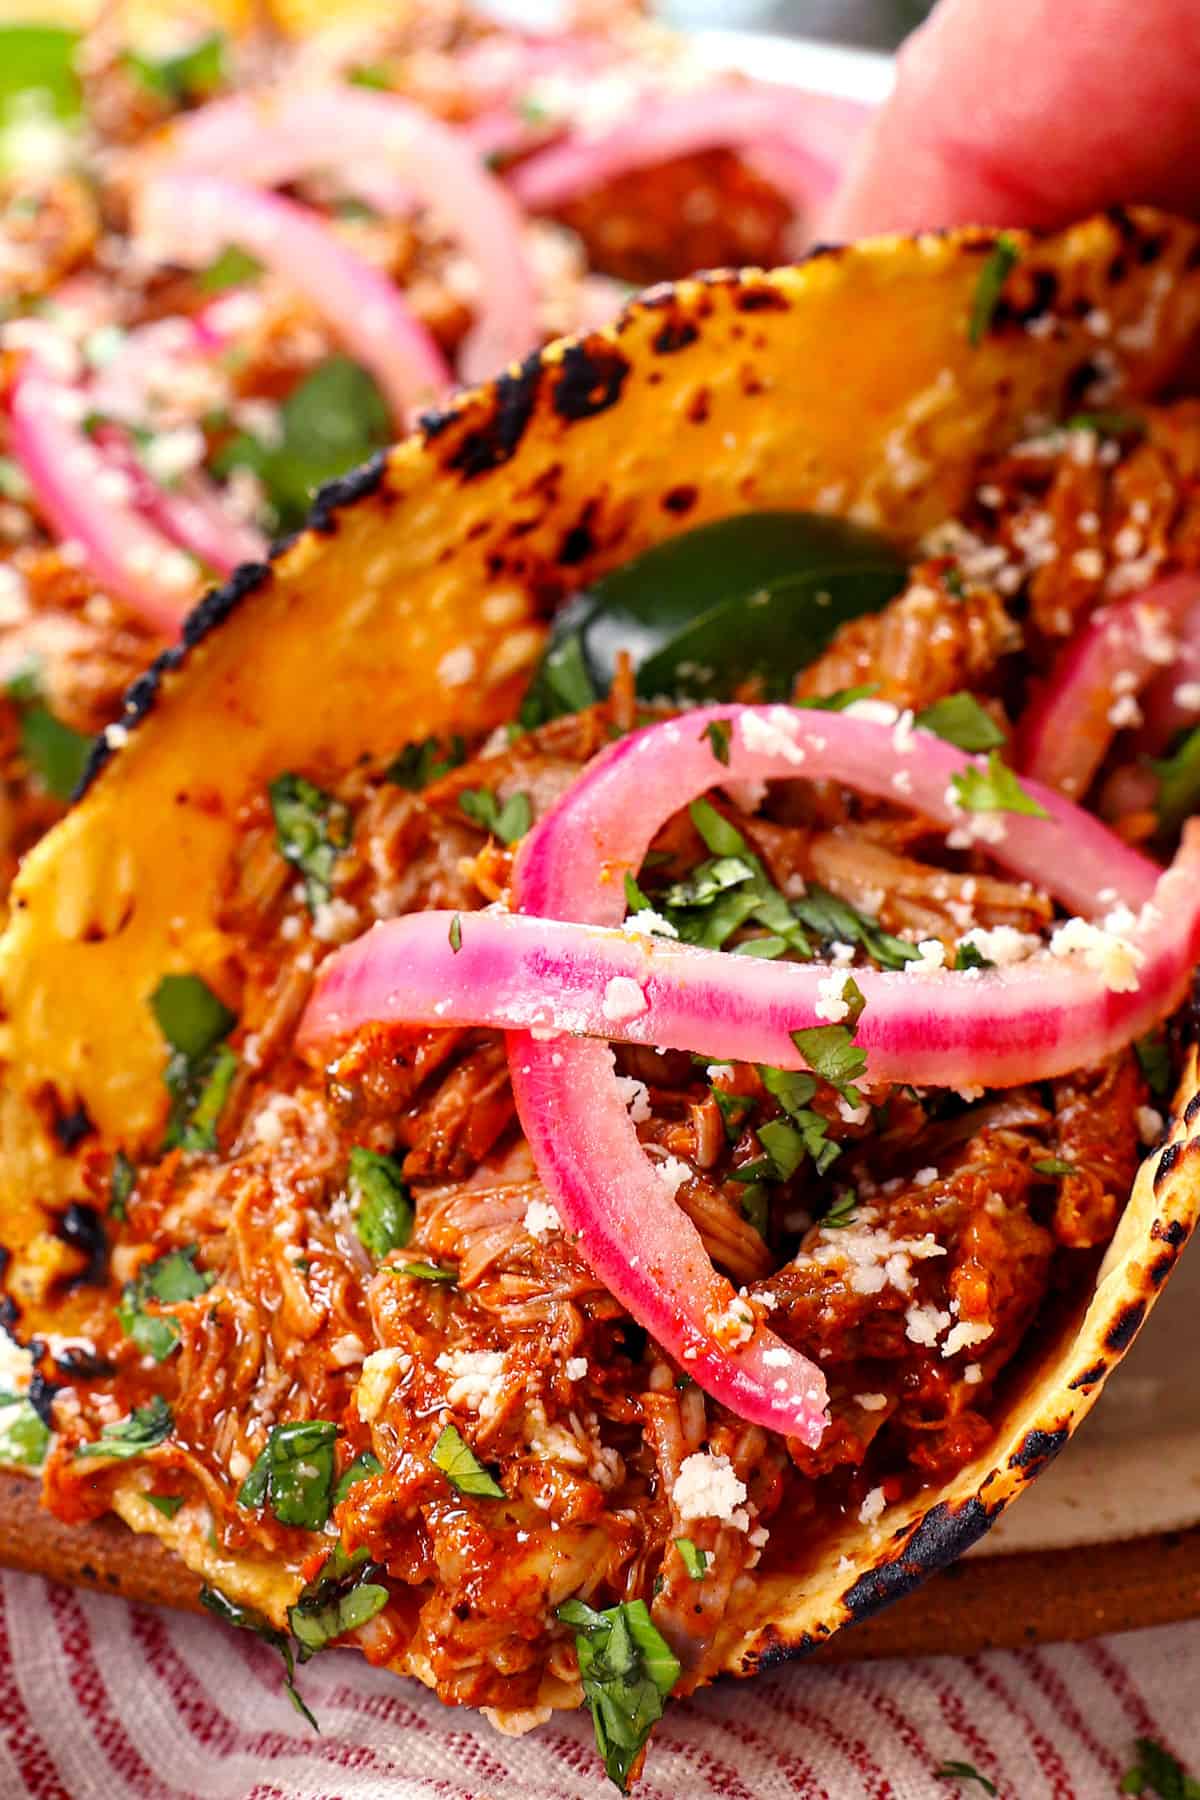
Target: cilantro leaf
[(244, 1618), (695, 1560), (1158, 1772), (1178, 781), (334, 419), (964, 1771), (455, 934), (462, 1468), (1154, 1059), (1054, 1165), (168, 1279), (383, 1211), (167, 1504), (563, 684), (200, 1069), (840, 699), (1112, 423), (24, 1435), (200, 1132), (340, 1598), (994, 789), (970, 956), (843, 1212), (729, 890), (311, 831), (995, 272), (717, 733), (756, 1206), (720, 837), (39, 88), (55, 755), (232, 268), (960, 720), (293, 1474), (830, 1050), (508, 822), (145, 1427), (627, 1669), (834, 922), (363, 1466), (191, 74), (121, 1184), (189, 1015), (734, 1109), (424, 1271), (421, 763)]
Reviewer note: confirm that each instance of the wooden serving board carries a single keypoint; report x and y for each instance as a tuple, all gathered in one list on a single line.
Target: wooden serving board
[(984, 1603)]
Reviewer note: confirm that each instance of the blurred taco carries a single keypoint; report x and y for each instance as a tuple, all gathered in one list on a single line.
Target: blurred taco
[(787, 692)]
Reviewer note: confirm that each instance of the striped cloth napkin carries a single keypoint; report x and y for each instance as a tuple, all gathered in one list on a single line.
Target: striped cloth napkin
[(100, 1700)]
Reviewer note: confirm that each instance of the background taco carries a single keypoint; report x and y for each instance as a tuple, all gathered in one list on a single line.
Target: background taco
[(872, 384)]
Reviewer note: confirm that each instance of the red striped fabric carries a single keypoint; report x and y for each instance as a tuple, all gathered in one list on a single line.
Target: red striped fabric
[(103, 1701)]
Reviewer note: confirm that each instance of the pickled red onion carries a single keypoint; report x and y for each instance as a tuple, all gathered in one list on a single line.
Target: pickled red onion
[(67, 473), (995, 1028), (190, 218), (273, 138), (1066, 732), (192, 514), (705, 118)]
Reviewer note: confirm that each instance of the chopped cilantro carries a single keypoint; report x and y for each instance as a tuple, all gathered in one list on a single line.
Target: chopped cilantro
[(201, 1068), (970, 956), (383, 1211), (312, 830), (121, 1183), (843, 1212), (964, 1771), (994, 789), (462, 1468), (1158, 1772), (840, 699), (729, 890), (233, 267), (244, 1618), (1178, 781), (24, 1435), (56, 755), (455, 934), (167, 1280), (960, 720), (360, 1469), (340, 1598), (1112, 424), (831, 920), (38, 86), (627, 1669), (1154, 1059), (717, 734), (167, 1504), (952, 581), (331, 421), (995, 272), (371, 75), (720, 837), (563, 684), (734, 1109), (756, 1206), (831, 1052), (145, 1427), (508, 822), (1054, 1165), (424, 1271), (420, 764), (188, 75), (190, 1016), (293, 1474), (200, 1132), (695, 1560)]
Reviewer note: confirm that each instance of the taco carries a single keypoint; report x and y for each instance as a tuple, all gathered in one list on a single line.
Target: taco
[(785, 692)]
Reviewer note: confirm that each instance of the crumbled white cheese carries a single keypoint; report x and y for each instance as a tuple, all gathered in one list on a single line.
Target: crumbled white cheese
[(457, 667), (335, 921), (16, 1365), (1003, 944), (925, 1177), (649, 923), (379, 1372), (541, 1219), (774, 736), (973, 1374), (902, 734), (776, 1357), (1150, 1124), (1104, 948), (829, 1003), (876, 712), (673, 1172), (623, 999), (636, 1096), (706, 1487), (476, 1379), (734, 1326), (871, 1402), (1187, 695), (873, 1506), (116, 736), (853, 1115), (1088, 563), (576, 1368), (924, 1324), (1125, 713), (930, 958), (964, 1336)]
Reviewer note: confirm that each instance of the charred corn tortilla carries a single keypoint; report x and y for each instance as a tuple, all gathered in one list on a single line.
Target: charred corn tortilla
[(416, 603)]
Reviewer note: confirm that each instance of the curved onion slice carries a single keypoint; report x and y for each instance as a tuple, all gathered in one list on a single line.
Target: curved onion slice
[(189, 218), (998, 1028), (745, 117), (277, 137), (1066, 732), (67, 473), (192, 513)]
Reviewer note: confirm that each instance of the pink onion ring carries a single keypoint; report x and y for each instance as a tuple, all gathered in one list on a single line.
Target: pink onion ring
[(189, 218), (743, 117), (67, 473), (1066, 732), (192, 514), (273, 138)]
